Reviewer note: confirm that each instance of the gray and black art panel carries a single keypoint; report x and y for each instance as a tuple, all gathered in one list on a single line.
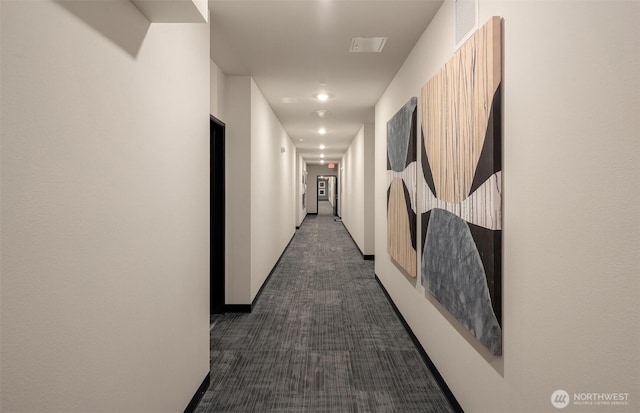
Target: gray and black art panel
[(489, 245), (453, 272), (401, 137)]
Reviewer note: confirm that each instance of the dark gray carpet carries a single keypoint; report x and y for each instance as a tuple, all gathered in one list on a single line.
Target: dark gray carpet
[(321, 338)]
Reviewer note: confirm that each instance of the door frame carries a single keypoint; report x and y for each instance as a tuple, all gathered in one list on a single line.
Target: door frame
[(335, 207)]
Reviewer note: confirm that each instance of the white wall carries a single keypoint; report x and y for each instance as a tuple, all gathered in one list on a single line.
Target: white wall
[(261, 195), (273, 179), (571, 217), (301, 170), (217, 95), (358, 189), (237, 120), (369, 189), (313, 172), (331, 191), (105, 209), (353, 206)]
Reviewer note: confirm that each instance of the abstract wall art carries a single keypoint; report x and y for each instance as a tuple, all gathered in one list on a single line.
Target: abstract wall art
[(401, 191), (461, 206)]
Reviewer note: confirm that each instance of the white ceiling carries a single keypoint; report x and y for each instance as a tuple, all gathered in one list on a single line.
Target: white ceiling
[(291, 47)]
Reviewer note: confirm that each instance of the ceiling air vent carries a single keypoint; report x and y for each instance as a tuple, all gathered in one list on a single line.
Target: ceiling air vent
[(367, 44)]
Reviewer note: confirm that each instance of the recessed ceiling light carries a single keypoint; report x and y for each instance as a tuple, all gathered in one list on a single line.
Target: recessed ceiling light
[(321, 112), (321, 162), (301, 139), (322, 155), (322, 146), (367, 44), (322, 131), (322, 97)]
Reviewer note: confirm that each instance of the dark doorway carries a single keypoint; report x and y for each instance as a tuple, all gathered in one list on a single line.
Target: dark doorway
[(216, 194)]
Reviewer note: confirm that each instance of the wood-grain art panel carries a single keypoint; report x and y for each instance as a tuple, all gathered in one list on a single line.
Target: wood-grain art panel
[(402, 146), (456, 108), (399, 243)]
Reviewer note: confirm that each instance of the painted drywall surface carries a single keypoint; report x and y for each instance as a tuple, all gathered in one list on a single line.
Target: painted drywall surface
[(238, 168), (313, 172), (273, 179), (180, 11), (203, 8), (105, 209), (301, 170), (570, 268), (331, 191), (217, 87), (333, 187), (340, 188), (358, 189), (369, 189), (260, 202), (354, 189)]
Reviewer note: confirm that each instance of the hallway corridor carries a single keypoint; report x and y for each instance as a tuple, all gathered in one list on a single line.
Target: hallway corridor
[(322, 338), (325, 208)]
